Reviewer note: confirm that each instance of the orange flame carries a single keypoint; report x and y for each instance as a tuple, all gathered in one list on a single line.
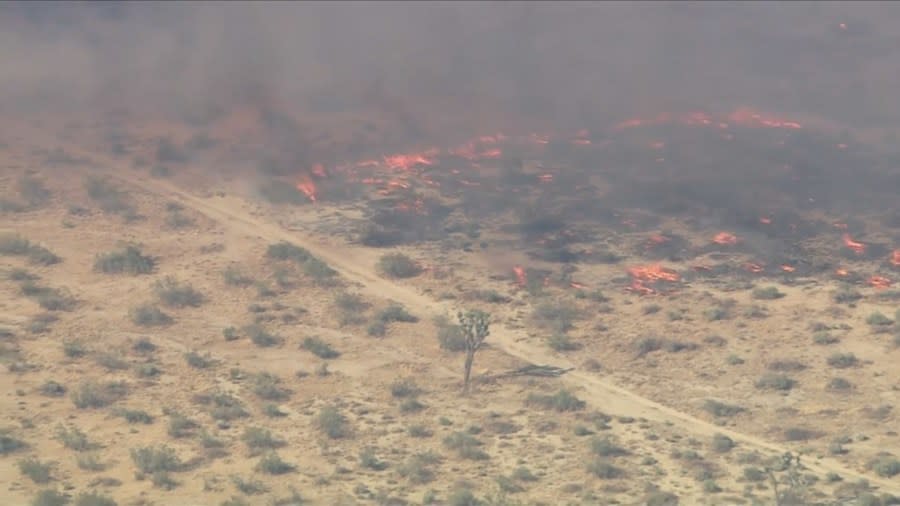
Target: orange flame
[(788, 268), (857, 247), (725, 239), (521, 278), (895, 257), (754, 267), (577, 285), (407, 161), (748, 117), (649, 274), (880, 282), (308, 188), (765, 220), (841, 272)]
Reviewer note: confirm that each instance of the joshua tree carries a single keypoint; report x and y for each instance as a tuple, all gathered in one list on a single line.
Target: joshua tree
[(475, 325), (791, 469)]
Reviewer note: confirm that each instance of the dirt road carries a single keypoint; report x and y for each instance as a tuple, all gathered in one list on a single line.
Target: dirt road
[(348, 261)]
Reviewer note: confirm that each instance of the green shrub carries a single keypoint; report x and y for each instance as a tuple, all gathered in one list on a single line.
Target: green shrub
[(10, 444), (885, 466), (465, 445), (604, 470), (368, 460), (405, 388), (98, 395), (16, 245), (151, 460), (722, 409), (846, 294), (561, 401), (181, 426), (249, 487), (226, 407), (261, 337), (74, 348), (562, 342), (398, 266), (287, 251), (35, 470), (450, 336), (842, 360), (174, 293), (50, 497), (33, 191), (839, 384), (149, 315), (377, 329), (257, 438), (558, 316), (605, 447), (419, 468), (771, 381), (135, 416), (74, 439), (94, 499), (52, 389), (109, 197), (129, 260), (268, 387), (396, 313), (234, 277), (722, 443), (824, 338), (767, 293), (272, 464), (319, 348), (332, 423), (877, 319), (198, 361)]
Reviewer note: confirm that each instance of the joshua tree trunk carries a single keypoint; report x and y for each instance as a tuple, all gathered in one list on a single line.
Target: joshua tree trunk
[(470, 358)]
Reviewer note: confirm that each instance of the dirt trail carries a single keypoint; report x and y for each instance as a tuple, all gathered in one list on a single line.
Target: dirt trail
[(596, 391)]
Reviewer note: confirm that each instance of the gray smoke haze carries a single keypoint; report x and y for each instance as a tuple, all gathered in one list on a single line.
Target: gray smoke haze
[(560, 64)]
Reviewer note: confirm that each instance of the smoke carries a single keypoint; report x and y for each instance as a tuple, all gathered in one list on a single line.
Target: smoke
[(432, 67)]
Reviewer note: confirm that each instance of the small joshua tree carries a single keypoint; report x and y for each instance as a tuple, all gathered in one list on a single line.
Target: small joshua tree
[(791, 469), (475, 326)]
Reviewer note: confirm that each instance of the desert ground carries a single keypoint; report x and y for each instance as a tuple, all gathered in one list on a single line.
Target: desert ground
[(185, 329)]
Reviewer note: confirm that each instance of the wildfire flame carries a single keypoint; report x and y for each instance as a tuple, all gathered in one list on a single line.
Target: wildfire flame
[(743, 116), (308, 188), (753, 267), (521, 277), (857, 247), (725, 239), (880, 282), (642, 275), (895, 257)]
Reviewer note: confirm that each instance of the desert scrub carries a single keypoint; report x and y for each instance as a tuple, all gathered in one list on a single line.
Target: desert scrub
[(129, 260), (135, 416), (396, 313), (9, 443), (33, 191), (107, 195), (74, 439), (842, 360), (449, 335), (233, 276), (198, 361), (261, 337), (846, 295), (312, 267), (94, 499), (368, 460), (225, 407), (149, 315), (177, 294), (268, 387), (722, 443), (604, 470), (605, 447), (350, 308), (561, 401), (258, 438), (557, 316), (271, 463), (767, 293), (886, 466), (405, 388), (331, 422), (50, 497), (16, 245), (772, 381), (319, 348), (181, 426), (878, 319), (721, 409), (151, 460), (420, 467), (98, 395), (562, 342), (465, 445), (35, 470), (398, 266)]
